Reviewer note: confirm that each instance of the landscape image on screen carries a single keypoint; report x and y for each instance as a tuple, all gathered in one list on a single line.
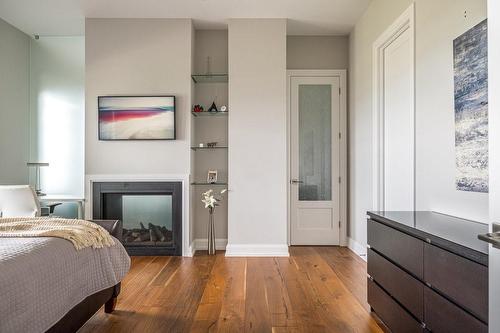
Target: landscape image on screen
[(137, 118)]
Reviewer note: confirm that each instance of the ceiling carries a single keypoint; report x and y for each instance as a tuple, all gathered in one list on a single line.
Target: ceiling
[(67, 17)]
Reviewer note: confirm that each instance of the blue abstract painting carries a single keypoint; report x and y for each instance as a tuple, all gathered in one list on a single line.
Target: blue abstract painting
[(470, 52)]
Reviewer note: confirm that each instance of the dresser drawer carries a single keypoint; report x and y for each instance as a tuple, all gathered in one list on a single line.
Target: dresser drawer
[(391, 313), (399, 284), (462, 280), (405, 250), (443, 316)]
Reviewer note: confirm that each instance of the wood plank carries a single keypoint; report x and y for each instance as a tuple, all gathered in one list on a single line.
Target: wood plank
[(350, 269), (209, 309), (279, 305), (333, 302), (302, 309), (257, 315), (232, 315)]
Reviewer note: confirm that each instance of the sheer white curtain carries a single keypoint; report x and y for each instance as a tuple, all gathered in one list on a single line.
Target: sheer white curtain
[(57, 89)]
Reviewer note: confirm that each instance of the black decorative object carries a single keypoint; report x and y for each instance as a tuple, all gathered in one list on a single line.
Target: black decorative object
[(213, 108)]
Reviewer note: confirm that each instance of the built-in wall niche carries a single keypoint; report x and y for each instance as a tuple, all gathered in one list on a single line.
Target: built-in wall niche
[(209, 137)]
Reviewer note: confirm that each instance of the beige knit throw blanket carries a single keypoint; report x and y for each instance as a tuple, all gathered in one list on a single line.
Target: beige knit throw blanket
[(81, 233)]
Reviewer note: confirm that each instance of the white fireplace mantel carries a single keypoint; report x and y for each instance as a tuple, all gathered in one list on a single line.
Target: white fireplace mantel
[(184, 178)]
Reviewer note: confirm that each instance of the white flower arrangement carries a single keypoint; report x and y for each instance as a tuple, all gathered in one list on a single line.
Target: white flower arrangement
[(210, 200)]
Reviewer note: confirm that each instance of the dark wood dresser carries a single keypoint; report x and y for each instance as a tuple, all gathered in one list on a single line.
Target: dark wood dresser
[(427, 272)]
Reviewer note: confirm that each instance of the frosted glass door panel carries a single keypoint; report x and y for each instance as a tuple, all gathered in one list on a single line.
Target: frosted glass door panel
[(315, 142), (314, 160)]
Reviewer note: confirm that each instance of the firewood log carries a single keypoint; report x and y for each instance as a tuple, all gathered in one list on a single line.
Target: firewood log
[(152, 235), (158, 233), (144, 236)]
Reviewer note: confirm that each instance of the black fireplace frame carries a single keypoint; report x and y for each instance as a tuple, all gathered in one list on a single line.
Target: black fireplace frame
[(170, 188)]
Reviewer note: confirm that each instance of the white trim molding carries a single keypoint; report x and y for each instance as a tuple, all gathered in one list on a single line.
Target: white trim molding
[(201, 244), (402, 24), (257, 250), (342, 75), (187, 250), (357, 248)]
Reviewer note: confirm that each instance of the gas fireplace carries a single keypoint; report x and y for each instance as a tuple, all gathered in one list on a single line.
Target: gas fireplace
[(151, 213)]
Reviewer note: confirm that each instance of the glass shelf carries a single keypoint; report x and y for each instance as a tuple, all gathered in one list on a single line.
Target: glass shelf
[(210, 78), (209, 148), (209, 184), (209, 114)]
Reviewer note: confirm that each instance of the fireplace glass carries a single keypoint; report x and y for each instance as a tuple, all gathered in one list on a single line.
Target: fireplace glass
[(147, 220)]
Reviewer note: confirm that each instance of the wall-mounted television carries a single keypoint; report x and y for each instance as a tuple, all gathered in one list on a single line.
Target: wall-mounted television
[(136, 117)]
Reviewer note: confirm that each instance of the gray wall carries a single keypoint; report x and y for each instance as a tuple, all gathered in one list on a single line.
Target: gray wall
[(134, 57), (317, 52), (14, 104), (437, 24)]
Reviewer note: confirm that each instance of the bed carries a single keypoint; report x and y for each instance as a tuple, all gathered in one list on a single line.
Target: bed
[(46, 285)]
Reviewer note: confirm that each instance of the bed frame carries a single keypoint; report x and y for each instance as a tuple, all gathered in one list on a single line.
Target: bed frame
[(83, 311)]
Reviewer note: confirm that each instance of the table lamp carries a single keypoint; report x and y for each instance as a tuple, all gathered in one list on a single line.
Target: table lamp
[(37, 166)]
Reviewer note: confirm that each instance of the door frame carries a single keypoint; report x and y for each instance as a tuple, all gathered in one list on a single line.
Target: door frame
[(494, 157), (342, 75), (403, 23)]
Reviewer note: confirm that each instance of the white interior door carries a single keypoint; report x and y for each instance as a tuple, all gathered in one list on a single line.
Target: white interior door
[(398, 125), (315, 160), (394, 117)]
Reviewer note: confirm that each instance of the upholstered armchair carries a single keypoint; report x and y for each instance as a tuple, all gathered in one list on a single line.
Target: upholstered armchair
[(18, 201)]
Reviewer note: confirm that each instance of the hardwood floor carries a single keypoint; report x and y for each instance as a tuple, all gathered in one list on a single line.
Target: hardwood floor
[(316, 289)]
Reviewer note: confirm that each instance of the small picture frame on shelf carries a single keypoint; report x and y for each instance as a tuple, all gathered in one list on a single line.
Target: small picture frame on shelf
[(212, 176)]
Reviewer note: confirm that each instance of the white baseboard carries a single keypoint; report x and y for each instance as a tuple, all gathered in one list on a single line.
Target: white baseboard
[(357, 248), (257, 250), (189, 251), (202, 244)]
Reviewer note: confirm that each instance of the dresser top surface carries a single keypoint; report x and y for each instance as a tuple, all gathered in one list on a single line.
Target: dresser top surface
[(452, 229)]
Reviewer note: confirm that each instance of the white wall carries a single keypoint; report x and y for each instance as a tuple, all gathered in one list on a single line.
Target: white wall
[(134, 57), (437, 24), (379, 15), (257, 135), (317, 52), (57, 89), (14, 105)]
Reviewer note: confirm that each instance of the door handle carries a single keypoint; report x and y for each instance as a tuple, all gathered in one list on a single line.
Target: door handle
[(296, 181)]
